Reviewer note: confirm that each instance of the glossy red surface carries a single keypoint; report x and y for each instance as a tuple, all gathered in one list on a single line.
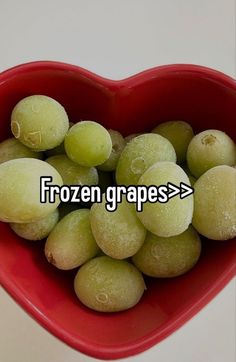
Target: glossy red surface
[(203, 97)]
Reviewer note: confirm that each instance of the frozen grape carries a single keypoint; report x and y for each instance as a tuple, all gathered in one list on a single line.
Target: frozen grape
[(170, 218), (118, 144), (119, 234), (72, 173), (20, 190), (168, 257), (109, 285), (179, 133), (71, 243), (208, 149), (39, 122), (88, 143), (37, 230), (141, 153), (215, 203), (12, 149)]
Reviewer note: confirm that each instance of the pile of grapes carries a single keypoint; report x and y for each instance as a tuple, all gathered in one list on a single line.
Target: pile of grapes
[(113, 249)]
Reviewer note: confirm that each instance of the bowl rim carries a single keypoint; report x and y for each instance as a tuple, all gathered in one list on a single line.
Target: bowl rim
[(198, 70), (126, 349)]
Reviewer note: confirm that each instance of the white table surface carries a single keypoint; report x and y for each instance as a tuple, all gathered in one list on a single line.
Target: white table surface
[(117, 38)]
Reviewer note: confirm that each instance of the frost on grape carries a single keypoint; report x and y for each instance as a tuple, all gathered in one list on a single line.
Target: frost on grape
[(102, 298), (34, 138), (138, 166), (209, 140), (35, 108), (16, 129), (51, 259)]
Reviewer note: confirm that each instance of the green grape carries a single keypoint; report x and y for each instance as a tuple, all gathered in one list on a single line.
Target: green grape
[(72, 173), (141, 153), (88, 144), (170, 218), (20, 190), (215, 203), (39, 122), (105, 179), (107, 285), (179, 133), (65, 209), (168, 257), (12, 149), (208, 149), (37, 230), (119, 234), (59, 150), (118, 144), (71, 243), (131, 136)]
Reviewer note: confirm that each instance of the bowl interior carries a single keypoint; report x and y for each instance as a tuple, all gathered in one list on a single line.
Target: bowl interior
[(205, 99)]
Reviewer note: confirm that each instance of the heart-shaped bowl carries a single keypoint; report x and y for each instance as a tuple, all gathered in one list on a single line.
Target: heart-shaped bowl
[(203, 97)]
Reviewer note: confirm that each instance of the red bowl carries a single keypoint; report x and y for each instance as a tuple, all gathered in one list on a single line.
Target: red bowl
[(205, 98)]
